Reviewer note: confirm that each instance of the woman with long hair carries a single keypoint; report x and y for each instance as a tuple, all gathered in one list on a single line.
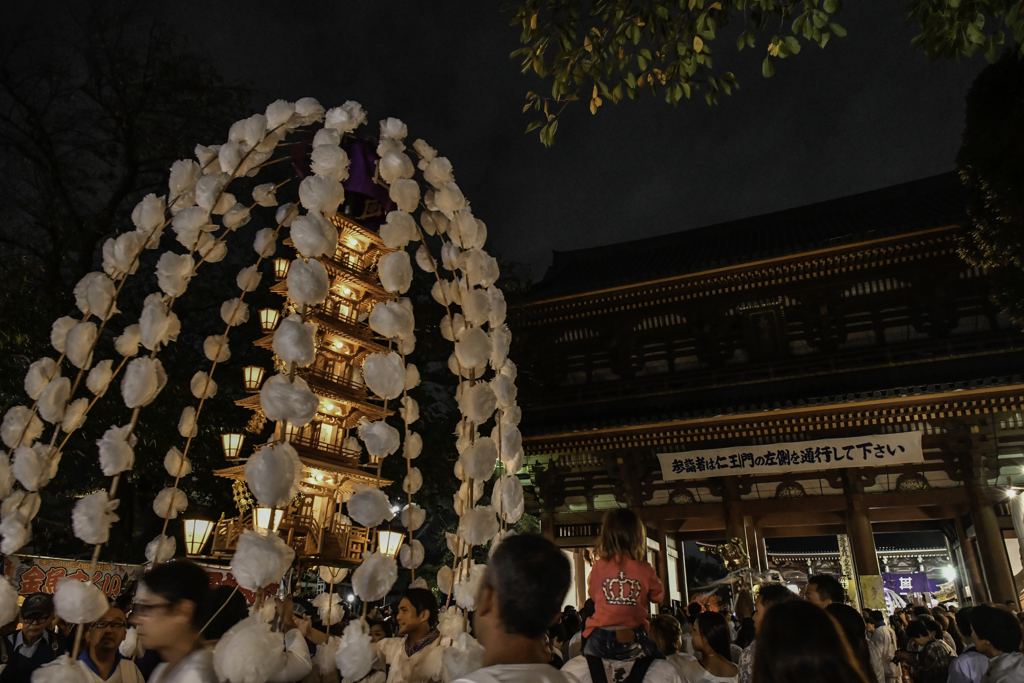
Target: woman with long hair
[(798, 642), (711, 640)]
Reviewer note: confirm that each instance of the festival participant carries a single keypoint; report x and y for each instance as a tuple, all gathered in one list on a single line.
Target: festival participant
[(622, 583), (970, 666), (520, 596), (575, 647), (33, 646), (800, 643), (929, 663), (101, 661), (379, 630), (225, 608), (667, 634), (883, 645), (997, 635), (168, 611), (948, 624), (415, 655), (557, 640), (711, 640), (768, 595), (823, 590), (851, 623), (693, 610)]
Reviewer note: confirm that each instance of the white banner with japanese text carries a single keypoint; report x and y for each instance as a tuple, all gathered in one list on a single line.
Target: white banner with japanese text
[(877, 450)]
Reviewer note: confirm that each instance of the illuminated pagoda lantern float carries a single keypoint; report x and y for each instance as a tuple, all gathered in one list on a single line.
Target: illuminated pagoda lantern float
[(333, 458)]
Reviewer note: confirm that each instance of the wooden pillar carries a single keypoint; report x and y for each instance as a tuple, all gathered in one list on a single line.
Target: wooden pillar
[(979, 593), (684, 589), (991, 548), (731, 505), (663, 564), (547, 525), (858, 527)]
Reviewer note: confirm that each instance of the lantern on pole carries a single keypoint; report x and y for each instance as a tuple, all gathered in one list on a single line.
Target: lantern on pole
[(267, 519), (232, 445), (253, 377), (197, 531), (268, 319), (389, 542), (281, 268)]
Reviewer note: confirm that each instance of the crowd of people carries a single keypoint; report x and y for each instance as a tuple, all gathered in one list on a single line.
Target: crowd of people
[(526, 635)]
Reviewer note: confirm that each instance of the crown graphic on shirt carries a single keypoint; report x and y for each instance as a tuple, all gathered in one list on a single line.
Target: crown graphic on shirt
[(621, 591)]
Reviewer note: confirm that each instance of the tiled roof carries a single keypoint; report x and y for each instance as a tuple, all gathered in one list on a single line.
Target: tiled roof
[(919, 205)]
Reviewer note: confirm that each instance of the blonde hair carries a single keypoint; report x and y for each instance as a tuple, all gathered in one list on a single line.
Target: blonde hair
[(622, 535)]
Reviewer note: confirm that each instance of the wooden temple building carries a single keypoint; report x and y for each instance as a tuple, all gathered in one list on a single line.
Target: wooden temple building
[(848, 319), (332, 457)]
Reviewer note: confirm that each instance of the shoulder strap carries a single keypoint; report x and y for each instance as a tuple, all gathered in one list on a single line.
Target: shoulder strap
[(3, 650), (596, 666), (639, 671)]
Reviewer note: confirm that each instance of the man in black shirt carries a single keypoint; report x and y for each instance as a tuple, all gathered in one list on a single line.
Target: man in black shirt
[(26, 650)]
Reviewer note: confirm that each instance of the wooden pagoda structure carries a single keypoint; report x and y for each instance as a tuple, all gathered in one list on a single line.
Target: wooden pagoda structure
[(314, 525), (848, 318)]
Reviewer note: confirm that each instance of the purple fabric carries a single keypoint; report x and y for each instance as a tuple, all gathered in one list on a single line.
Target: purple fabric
[(916, 582)]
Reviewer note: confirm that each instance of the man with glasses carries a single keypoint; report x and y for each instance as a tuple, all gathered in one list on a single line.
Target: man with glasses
[(33, 646), (101, 661)]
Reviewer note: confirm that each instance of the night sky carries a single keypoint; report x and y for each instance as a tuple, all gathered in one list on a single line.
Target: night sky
[(863, 113)]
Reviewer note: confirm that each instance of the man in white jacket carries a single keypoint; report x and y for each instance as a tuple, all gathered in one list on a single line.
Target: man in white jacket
[(101, 661), (520, 596), (883, 645)]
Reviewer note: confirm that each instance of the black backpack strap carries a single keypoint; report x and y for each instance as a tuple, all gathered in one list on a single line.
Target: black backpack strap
[(597, 674), (3, 650), (640, 667)]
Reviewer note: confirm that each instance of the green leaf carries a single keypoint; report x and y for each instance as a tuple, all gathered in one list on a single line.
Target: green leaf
[(662, 11), (831, 6), (767, 68), (838, 30), (534, 125), (792, 43), (641, 62)]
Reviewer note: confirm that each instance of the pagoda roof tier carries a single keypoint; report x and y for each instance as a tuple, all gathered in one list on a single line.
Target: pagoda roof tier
[(341, 477), (360, 409), (347, 224), (361, 277), (346, 327)]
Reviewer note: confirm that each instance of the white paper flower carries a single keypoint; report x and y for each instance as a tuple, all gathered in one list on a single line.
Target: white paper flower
[(283, 401), (413, 481), (413, 446), (307, 282), (395, 166), (16, 531), (215, 348), (478, 525), (449, 198), (59, 332), (481, 268), (391, 320), (181, 184), (127, 343), (307, 111), (438, 172), (464, 657), (330, 161), (279, 114), (234, 312), (92, 517), (384, 374), (189, 224), (210, 187), (160, 549), (329, 607), (95, 294), (260, 560), (332, 575), (78, 602), (286, 214), (20, 426), (356, 654), (381, 439), (321, 194), (475, 306), (131, 646), (121, 254), (202, 385), (405, 193), (143, 380), (176, 464), (248, 279), (170, 503), (374, 577), (207, 157), (473, 347), (35, 466), (477, 402), (411, 556), (236, 216), (54, 399), (498, 308), (250, 652), (295, 341), (410, 409), (314, 235), (507, 499), (479, 459), (187, 423), (74, 416), (158, 325), (395, 271), (274, 474), (80, 342), (369, 506), (398, 230), (265, 243), (173, 272), (345, 118)]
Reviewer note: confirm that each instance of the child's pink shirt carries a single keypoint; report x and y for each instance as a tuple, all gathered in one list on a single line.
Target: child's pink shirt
[(621, 590)]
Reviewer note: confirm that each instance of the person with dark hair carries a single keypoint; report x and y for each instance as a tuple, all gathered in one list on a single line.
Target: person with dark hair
[(693, 610), (851, 622), (823, 590), (34, 645), (942, 623), (769, 594), (883, 646), (667, 634), (556, 641), (379, 630), (745, 636), (997, 635), (800, 643), (168, 611), (575, 647), (573, 624), (711, 641), (970, 666), (520, 598), (415, 654), (930, 662), (622, 584), (921, 611), (100, 659), (225, 608)]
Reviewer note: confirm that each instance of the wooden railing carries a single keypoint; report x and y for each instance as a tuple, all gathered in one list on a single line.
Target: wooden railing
[(335, 543)]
